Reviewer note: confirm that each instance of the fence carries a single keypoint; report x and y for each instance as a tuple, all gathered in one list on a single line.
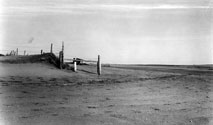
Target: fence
[(59, 53), (78, 61)]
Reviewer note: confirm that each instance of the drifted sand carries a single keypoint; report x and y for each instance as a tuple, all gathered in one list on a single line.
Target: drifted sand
[(35, 93)]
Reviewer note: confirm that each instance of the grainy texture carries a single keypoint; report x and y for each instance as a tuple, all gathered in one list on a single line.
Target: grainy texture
[(37, 93)]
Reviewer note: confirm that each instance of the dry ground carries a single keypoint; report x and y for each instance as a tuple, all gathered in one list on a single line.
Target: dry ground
[(40, 94)]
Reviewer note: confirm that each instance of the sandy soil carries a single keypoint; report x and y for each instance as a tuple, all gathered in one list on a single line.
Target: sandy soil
[(41, 94)]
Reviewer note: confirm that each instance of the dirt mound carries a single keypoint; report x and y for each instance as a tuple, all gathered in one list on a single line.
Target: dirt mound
[(48, 58)]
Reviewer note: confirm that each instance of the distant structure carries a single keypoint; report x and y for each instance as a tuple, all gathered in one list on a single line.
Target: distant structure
[(79, 61)]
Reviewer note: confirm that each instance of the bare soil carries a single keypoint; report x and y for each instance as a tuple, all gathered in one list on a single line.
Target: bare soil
[(40, 94)]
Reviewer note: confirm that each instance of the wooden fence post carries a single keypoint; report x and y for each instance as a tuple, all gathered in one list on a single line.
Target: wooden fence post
[(24, 52), (41, 52), (17, 51), (60, 59), (75, 66), (51, 48), (99, 65), (62, 52)]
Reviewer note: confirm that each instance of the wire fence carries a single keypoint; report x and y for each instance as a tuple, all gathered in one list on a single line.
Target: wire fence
[(25, 50), (28, 49)]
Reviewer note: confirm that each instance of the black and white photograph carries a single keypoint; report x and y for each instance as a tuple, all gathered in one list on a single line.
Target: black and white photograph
[(106, 62)]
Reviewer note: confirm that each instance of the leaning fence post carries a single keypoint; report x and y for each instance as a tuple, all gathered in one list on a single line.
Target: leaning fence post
[(51, 48), (75, 66), (99, 65)]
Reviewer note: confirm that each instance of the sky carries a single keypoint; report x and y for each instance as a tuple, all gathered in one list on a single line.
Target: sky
[(121, 31)]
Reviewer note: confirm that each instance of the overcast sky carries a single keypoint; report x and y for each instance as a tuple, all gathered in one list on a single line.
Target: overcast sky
[(121, 31)]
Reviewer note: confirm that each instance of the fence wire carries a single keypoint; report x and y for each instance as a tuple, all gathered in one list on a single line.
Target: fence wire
[(33, 50)]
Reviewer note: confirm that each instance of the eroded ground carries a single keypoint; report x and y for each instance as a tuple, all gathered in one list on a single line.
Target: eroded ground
[(42, 94)]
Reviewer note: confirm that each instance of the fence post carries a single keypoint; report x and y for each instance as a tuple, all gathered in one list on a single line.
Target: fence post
[(75, 66), (17, 51), (51, 48), (99, 65), (62, 52), (24, 52), (60, 58), (41, 52)]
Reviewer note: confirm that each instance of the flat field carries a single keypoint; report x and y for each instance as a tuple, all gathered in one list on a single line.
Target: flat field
[(40, 94)]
